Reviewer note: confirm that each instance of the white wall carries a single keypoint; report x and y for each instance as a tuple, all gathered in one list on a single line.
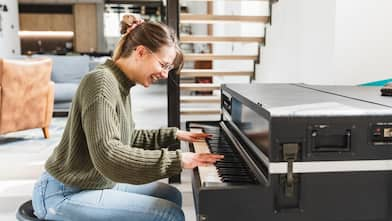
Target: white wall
[(9, 22), (363, 40), (299, 44), (316, 41), (279, 58), (328, 42)]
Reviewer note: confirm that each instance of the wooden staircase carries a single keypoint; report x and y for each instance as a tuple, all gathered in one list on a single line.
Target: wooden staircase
[(194, 97)]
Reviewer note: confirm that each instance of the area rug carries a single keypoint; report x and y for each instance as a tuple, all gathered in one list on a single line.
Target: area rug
[(32, 141)]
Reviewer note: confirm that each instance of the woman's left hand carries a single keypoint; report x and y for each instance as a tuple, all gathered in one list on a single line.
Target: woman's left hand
[(191, 136)]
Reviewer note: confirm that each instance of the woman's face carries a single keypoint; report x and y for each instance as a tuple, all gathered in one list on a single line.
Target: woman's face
[(154, 65)]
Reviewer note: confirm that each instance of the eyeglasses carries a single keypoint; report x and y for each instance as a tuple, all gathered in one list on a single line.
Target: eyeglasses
[(165, 66)]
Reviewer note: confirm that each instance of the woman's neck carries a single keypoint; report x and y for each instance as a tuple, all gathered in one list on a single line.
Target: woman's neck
[(126, 67)]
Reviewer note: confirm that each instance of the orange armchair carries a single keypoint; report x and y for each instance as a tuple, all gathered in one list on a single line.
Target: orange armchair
[(26, 95)]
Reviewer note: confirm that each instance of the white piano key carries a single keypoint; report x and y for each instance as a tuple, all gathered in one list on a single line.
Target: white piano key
[(208, 174)]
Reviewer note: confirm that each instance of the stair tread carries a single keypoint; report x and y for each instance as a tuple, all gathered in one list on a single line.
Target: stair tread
[(210, 38), (200, 109), (212, 72), (192, 18), (225, 0), (200, 99), (208, 56), (199, 85), (196, 111)]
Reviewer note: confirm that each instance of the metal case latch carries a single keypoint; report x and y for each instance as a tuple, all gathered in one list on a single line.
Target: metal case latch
[(290, 152)]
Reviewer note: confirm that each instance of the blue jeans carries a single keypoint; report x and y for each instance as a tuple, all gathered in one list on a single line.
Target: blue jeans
[(52, 200)]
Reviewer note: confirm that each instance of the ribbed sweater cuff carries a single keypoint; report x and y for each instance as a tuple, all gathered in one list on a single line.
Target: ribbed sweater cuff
[(175, 167), (172, 133)]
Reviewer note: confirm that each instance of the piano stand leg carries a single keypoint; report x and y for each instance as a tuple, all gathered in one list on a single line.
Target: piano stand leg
[(175, 179)]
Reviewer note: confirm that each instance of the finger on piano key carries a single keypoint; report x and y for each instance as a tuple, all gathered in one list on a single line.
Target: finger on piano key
[(207, 173)]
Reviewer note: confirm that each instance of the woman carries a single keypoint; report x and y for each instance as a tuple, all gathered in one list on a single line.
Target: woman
[(102, 168)]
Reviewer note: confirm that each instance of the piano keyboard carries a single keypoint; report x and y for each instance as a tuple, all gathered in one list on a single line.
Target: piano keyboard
[(208, 174), (231, 169)]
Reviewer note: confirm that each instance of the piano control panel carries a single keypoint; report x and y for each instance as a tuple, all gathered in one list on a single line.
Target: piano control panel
[(381, 133)]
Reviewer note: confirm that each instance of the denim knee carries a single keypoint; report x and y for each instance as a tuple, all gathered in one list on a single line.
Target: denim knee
[(176, 214), (176, 196), (38, 196), (38, 199), (172, 193)]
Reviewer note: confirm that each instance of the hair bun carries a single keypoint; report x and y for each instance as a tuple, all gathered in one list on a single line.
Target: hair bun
[(129, 21), (123, 27)]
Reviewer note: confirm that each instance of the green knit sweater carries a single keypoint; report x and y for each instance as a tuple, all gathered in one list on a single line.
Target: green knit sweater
[(100, 145)]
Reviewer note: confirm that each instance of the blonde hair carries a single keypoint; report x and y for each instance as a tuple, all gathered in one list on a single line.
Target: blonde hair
[(152, 35)]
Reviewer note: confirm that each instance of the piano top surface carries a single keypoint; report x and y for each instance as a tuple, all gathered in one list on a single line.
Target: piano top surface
[(315, 100)]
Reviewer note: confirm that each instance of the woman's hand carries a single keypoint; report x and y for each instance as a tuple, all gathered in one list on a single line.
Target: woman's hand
[(191, 160), (191, 136)]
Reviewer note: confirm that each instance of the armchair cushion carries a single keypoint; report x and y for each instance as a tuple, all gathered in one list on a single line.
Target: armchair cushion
[(26, 98), (64, 91), (68, 69)]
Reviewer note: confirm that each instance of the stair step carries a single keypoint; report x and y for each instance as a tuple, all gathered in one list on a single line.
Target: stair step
[(211, 72), (224, 0), (210, 39), (200, 99), (199, 111), (210, 19), (210, 57), (188, 80), (200, 87)]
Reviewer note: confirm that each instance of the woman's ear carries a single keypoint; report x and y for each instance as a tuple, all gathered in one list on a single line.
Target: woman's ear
[(140, 51)]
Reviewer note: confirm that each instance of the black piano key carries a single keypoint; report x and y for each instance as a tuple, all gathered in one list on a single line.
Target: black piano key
[(230, 161), (236, 180), (228, 157), (233, 174), (232, 168), (236, 173), (222, 149)]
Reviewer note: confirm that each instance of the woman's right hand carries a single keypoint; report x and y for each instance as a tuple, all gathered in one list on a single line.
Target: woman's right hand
[(191, 160)]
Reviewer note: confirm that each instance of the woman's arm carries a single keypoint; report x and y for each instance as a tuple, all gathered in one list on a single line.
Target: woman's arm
[(153, 139), (117, 161)]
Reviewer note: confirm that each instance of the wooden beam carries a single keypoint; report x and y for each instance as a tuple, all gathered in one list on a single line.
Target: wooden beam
[(173, 92)]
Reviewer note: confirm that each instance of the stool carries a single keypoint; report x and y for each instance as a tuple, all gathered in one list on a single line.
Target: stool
[(26, 213)]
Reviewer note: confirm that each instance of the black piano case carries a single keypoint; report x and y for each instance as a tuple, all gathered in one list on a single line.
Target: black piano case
[(316, 153)]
